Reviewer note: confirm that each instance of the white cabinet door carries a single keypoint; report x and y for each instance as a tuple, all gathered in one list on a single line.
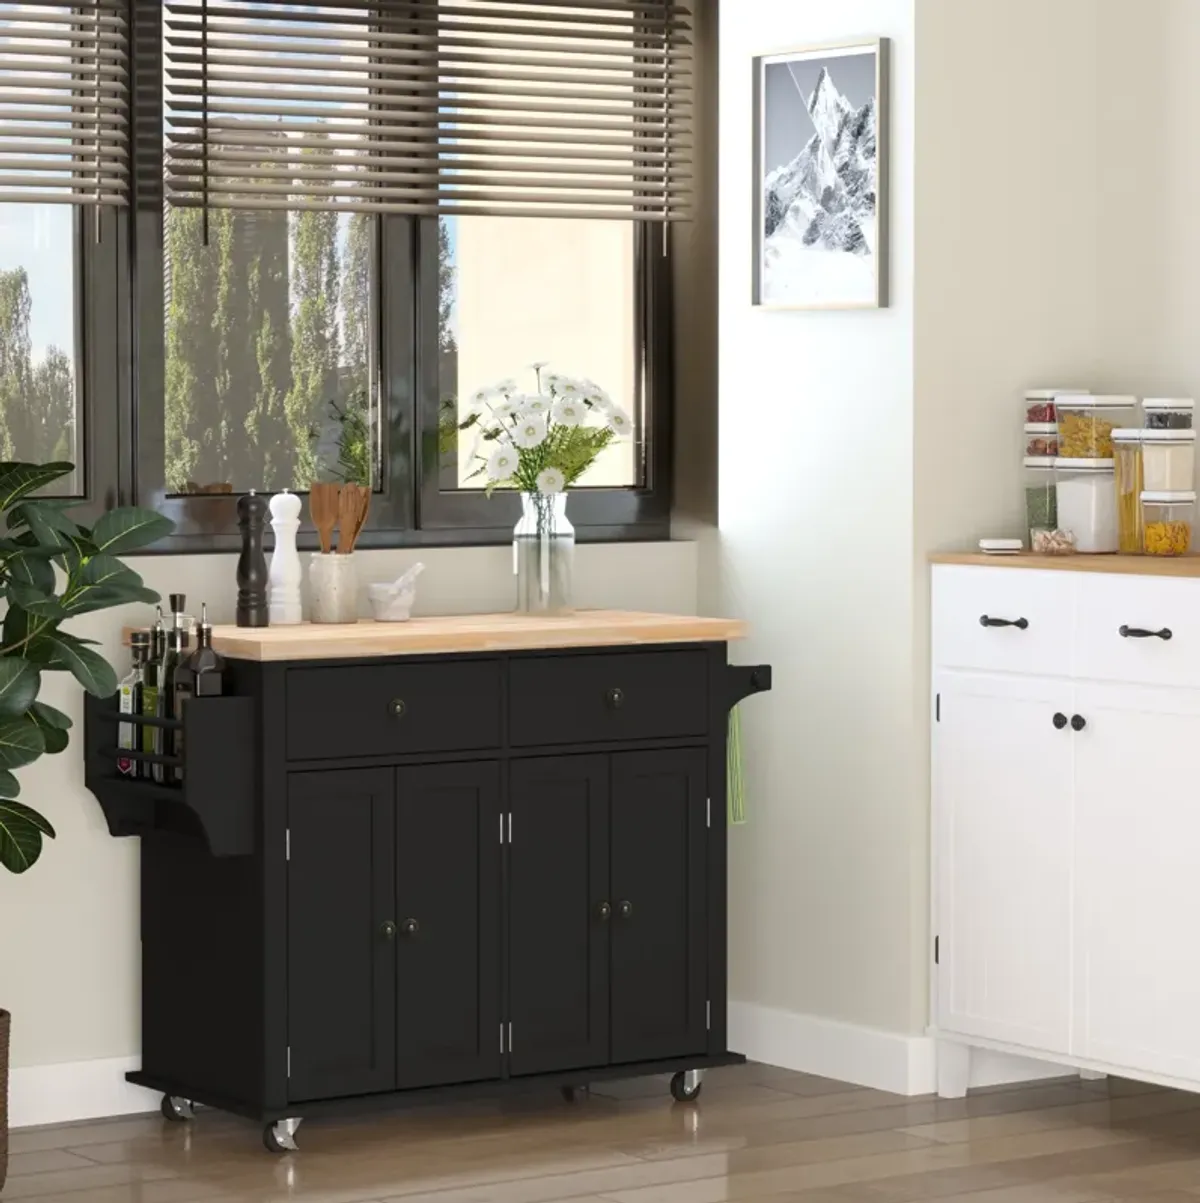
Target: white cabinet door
[(1137, 902), (1002, 788)]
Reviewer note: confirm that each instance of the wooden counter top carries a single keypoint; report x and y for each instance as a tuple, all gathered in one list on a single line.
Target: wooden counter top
[(1177, 566), (470, 633)]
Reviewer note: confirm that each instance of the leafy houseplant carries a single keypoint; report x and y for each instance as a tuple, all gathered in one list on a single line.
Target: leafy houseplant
[(52, 569)]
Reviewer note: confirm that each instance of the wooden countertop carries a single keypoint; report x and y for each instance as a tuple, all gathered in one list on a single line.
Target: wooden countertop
[(470, 633), (1177, 566)]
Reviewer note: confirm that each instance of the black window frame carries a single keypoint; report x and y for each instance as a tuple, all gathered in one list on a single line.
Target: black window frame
[(124, 384)]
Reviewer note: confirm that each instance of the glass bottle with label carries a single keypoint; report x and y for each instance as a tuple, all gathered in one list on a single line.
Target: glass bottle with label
[(129, 695), (151, 691), (197, 676)]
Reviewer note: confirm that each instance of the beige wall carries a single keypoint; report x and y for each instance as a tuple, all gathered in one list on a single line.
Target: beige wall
[(69, 965)]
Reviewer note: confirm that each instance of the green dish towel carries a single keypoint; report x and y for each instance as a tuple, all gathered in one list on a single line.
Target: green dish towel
[(735, 781)]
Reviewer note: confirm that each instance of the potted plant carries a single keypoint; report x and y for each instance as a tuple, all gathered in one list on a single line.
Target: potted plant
[(51, 570), (542, 443)]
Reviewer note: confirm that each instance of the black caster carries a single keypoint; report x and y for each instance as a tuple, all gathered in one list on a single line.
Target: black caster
[(177, 1110), (280, 1137), (685, 1086), (572, 1094)]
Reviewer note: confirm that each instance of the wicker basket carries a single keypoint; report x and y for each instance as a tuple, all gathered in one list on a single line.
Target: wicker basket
[(5, 1019)]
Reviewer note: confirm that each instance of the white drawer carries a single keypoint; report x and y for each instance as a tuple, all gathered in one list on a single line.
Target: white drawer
[(1108, 605), (968, 601)]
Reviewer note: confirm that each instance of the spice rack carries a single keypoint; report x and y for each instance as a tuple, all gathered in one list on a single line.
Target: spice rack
[(214, 802)]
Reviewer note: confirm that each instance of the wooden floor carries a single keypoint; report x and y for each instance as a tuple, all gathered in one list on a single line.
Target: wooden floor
[(756, 1134)]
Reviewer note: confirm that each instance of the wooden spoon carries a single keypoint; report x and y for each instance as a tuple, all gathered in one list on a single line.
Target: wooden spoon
[(354, 502), (323, 504)]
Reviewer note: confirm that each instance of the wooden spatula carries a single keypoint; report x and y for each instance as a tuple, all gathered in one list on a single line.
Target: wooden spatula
[(353, 504), (323, 502)]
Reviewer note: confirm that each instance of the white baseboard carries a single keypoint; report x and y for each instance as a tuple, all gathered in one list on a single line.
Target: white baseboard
[(59, 1094), (891, 1061)]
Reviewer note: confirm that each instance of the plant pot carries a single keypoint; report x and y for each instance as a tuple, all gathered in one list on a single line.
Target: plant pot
[(5, 1021)]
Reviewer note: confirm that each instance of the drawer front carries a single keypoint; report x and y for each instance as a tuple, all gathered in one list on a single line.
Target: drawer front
[(387, 709), (1041, 604), (1145, 608), (627, 695)]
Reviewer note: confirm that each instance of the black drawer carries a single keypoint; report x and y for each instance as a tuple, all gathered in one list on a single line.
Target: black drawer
[(625, 695), (382, 709)]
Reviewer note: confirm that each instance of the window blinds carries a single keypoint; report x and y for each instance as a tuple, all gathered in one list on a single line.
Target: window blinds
[(64, 102), (561, 108)]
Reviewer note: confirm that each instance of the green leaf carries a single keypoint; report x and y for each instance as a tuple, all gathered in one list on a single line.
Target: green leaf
[(10, 787), (103, 599), (108, 570), (34, 571), (48, 717), (55, 741), (91, 670), (19, 681), (48, 523), (22, 830), (129, 528), (34, 601), (21, 742), (18, 624), (17, 480)]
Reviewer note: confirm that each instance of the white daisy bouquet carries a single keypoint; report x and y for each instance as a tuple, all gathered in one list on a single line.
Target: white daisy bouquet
[(541, 442)]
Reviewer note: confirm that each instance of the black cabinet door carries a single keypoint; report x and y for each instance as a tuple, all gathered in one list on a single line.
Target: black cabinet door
[(659, 924), (558, 938), (448, 914), (341, 959)]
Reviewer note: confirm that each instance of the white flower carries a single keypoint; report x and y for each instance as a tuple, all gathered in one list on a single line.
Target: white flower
[(551, 480), (553, 380), (529, 432), (507, 387), (541, 363), (596, 395), (538, 403), (502, 463), (566, 387), (619, 421), (478, 401), (568, 412), (506, 406)]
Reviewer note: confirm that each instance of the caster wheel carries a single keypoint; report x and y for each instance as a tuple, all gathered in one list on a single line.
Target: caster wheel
[(177, 1110), (683, 1090), (572, 1094), (281, 1137)]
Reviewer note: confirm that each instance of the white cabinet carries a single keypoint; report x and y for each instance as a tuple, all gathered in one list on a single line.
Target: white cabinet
[(1137, 893), (1066, 819), (1002, 773)]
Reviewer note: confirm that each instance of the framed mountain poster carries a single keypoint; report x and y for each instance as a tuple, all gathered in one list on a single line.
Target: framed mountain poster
[(820, 177)]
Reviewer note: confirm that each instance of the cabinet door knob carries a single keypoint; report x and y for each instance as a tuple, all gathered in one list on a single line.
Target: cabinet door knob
[(1078, 722), (625, 909), (1142, 633), (1020, 623), (604, 911), (615, 698), (388, 930), (396, 707), (410, 927), (1060, 721)]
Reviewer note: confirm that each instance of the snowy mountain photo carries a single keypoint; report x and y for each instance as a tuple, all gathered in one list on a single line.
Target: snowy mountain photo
[(817, 241)]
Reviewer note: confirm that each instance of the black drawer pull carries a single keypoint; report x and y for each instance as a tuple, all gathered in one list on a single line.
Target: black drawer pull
[(1060, 721), (1020, 623), (604, 911), (625, 909), (1078, 722), (396, 708), (1142, 633), (615, 698), (388, 930), (410, 927)]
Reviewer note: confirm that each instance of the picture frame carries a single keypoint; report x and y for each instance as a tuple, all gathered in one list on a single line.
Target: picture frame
[(820, 176)]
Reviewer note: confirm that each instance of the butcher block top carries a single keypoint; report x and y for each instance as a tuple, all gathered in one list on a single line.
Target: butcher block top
[(1123, 565), (470, 633)]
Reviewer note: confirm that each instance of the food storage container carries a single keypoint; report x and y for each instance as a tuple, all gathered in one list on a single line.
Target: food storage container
[(1087, 503), (1041, 438), (1085, 424), (1168, 461), (1039, 402), (1168, 413), (1041, 505), (1127, 471), (1167, 522)]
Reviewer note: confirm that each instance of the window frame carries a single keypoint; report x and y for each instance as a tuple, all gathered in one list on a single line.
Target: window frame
[(124, 385)]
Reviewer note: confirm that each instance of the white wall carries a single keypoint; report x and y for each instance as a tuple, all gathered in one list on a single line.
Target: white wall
[(69, 966)]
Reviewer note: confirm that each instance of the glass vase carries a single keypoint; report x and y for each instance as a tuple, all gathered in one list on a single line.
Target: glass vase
[(543, 554)]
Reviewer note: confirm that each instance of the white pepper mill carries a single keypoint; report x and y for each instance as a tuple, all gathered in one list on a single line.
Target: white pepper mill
[(286, 574)]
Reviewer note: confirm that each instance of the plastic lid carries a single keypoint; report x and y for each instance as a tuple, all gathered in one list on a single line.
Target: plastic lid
[(1048, 394), (1039, 461), (1130, 434), (1094, 402), (1167, 436), (1000, 545), (1041, 428), (1188, 498), (1168, 403), (1084, 465)]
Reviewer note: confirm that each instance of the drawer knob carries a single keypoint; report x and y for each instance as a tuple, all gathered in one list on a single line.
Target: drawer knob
[(604, 911), (1021, 624), (396, 707), (1060, 721), (1142, 633), (1078, 722), (388, 930), (615, 698), (410, 927), (625, 909)]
